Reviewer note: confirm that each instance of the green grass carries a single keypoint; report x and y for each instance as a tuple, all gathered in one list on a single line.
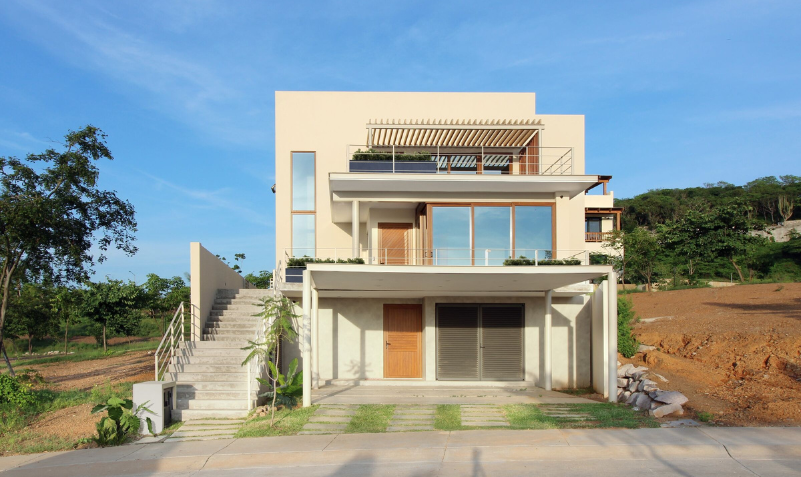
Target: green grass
[(602, 415), (288, 422), (448, 417), (370, 418), (577, 391), (88, 352)]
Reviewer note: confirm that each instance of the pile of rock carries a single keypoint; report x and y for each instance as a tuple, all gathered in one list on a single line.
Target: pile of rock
[(634, 388)]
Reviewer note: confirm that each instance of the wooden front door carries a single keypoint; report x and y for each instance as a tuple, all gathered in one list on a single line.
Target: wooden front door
[(394, 243), (403, 341)]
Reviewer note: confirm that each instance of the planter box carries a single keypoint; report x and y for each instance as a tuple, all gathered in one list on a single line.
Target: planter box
[(418, 167), (294, 275)]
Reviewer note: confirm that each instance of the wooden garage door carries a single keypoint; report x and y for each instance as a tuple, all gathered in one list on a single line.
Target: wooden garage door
[(480, 342)]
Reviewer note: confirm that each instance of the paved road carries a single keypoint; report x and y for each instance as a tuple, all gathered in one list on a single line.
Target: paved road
[(707, 451)]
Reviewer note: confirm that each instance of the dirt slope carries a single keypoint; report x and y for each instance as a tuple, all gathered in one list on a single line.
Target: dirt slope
[(735, 352)]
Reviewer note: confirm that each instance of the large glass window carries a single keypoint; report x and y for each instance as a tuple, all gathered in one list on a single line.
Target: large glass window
[(533, 231), (303, 181), (593, 224), (303, 235), (451, 235), (493, 235)]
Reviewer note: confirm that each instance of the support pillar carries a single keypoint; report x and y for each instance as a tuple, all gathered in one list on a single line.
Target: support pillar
[(306, 339), (546, 348), (354, 228), (315, 338), (612, 357)]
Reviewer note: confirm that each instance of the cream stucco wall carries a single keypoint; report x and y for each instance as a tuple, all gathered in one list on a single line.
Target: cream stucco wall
[(350, 337), (327, 122)]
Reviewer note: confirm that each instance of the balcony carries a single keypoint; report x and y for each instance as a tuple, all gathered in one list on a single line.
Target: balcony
[(596, 236), (525, 160)]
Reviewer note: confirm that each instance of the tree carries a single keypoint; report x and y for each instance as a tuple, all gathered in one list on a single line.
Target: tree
[(261, 279), (115, 306), (164, 296), (642, 248), (690, 238), (279, 313), (786, 207), (29, 313), (55, 222), (64, 303)]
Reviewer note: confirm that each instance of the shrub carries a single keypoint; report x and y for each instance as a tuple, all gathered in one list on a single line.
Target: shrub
[(300, 262), (122, 421), (373, 155), (527, 261), (626, 342), (13, 392)]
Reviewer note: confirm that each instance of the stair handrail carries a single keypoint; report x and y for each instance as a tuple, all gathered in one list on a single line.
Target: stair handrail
[(167, 349)]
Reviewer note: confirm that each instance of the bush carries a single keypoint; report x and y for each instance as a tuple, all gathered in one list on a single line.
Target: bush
[(300, 262), (626, 342), (13, 392), (373, 155), (528, 261)]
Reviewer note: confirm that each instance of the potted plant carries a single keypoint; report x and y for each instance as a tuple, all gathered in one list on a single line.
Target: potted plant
[(375, 161)]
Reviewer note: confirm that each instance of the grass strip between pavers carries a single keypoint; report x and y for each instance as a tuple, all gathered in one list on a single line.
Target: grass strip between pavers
[(370, 418), (448, 417), (600, 415), (288, 422)]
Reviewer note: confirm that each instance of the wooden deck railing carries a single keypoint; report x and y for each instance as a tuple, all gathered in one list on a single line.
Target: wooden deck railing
[(596, 236)]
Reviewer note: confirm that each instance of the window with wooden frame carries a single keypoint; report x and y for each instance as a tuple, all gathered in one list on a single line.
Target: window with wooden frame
[(489, 233), (303, 203)]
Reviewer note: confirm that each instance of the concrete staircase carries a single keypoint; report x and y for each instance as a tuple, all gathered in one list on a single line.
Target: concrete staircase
[(211, 381)]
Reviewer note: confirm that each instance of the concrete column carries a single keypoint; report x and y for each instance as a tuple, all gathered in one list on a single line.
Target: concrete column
[(546, 348), (306, 337), (612, 304), (315, 338), (354, 228)]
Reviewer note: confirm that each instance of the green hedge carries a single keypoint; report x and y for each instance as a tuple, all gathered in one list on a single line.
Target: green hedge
[(626, 342), (302, 261), (530, 261), (373, 155)]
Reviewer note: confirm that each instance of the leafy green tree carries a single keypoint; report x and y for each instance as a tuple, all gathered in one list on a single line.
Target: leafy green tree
[(690, 238), (261, 279), (64, 303), (55, 222), (115, 306), (626, 342), (164, 296), (635, 252), (29, 313)]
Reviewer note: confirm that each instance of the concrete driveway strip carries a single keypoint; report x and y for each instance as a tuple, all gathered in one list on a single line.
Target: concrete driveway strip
[(705, 451)]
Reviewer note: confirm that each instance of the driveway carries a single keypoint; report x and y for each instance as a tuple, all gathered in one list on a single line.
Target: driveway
[(699, 451), (441, 394)]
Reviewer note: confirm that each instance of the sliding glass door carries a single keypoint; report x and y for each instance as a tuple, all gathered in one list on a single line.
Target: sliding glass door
[(493, 235), (450, 237)]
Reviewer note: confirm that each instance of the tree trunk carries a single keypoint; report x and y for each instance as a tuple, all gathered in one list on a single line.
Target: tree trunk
[(5, 355), (66, 335), (105, 348), (739, 271), (30, 344)]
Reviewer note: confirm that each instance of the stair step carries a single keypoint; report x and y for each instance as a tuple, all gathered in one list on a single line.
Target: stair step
[(207, 368), (226, 317), (216, 360), (187, 414), (227, 325), (217, 395), (212, 404), (239, 307), (203, 345), (227, 337), (201, 386), (189, 378)]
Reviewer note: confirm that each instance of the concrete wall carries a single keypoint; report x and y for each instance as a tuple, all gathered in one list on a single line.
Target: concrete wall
[(600, 339), (351, 337), (208, 274)]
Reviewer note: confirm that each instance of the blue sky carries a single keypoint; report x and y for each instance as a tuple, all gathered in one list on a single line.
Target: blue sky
[(675, 94)]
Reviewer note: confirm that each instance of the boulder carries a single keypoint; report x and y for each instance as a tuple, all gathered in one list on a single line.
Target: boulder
[(646, 383), (642, 403), (671, 397), (622, 382), (621, 371), (667, 410), (630, 372), (639, 375), (633, 398), (632, 386)]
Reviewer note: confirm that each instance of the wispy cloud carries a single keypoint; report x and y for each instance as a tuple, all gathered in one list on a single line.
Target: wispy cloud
[(25, 142), (217, 199)]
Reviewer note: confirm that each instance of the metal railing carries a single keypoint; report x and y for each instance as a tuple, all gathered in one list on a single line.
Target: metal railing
[(173, 336), (436, 256), (529, 160), (596, 236)]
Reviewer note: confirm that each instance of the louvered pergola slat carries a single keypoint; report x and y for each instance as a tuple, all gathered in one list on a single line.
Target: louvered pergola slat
[(451, 133)]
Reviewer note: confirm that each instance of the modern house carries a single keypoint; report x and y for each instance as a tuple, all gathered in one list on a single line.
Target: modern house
[(435, 238)]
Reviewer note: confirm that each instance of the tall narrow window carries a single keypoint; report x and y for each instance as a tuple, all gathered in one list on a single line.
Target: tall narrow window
[(303, 200), (302, 181), (534, 231)]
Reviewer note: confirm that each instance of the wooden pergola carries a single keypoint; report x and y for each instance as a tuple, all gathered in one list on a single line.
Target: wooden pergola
[(447, 133)]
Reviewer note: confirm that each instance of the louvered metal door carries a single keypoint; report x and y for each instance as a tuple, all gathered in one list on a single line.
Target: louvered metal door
[(502, 343), (457, 343), (480, 342)]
